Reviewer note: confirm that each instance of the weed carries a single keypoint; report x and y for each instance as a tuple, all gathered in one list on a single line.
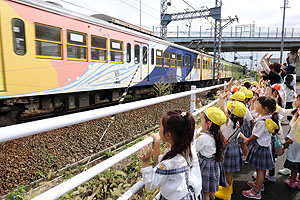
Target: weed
[(18, 193)]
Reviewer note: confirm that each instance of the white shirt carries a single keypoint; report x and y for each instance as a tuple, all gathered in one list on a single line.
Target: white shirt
[(260, 130), (227, 129), (289, 95), (294, 149), (248, 115), (171, 186), (206, 145)]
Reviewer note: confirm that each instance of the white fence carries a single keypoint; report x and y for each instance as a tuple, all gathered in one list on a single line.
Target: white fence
[(31, 128)]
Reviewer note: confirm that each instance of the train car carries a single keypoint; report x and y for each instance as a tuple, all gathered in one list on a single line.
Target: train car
[(54, 59)]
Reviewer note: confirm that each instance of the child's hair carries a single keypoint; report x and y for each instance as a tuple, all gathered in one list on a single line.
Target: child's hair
[(279, 99), (182, 126), (288, 80), (219, 139), (247, 84), (270, 104), (235, 119)]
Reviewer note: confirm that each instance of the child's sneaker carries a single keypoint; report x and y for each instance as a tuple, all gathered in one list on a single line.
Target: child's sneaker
[(251, 194), (270, 178), (284, 171), (252, 184), (291, 183)]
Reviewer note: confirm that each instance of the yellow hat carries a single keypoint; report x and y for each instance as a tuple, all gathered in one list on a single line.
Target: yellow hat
[(249, 94), (240, 96), (254, 83), (271, 125), (216, 115), (237, 108), (243, 89)]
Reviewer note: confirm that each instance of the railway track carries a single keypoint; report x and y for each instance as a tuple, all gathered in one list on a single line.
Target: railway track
[(29, 159)]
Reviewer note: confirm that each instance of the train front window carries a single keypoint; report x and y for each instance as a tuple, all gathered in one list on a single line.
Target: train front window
[(98, 49), (116, 51), (48, 42), (76, 46), (19, 36)]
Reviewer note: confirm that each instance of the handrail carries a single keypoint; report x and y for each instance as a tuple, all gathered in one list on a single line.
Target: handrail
[(39, 126), (77, 180)]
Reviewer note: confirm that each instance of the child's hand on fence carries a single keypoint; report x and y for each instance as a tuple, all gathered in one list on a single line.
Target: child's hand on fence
[(156, 137), (146, 154)]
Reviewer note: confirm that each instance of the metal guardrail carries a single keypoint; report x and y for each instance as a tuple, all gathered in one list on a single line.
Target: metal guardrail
[(39, 126), (77, 180)]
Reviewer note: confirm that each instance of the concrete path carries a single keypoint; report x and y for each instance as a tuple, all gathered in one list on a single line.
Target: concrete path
[(273, 191)]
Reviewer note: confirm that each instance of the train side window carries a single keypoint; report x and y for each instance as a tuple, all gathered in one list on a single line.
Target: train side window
[(199, 64), (187, 61), (136, 54), (76, 46), (19, 36), (48, 42), (166, 59), (152, 56), (195, 63), (145, 55), (179, 56), (128, 52), (159, 57), (98, 49), (116, 51), (173, 60)]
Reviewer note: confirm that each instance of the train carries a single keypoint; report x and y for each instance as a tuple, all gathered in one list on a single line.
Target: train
[(54, 59)]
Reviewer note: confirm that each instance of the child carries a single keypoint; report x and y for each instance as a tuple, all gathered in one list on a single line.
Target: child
[(209, 146), (293, 158), (172, 172), (289, 92), (259, 155), (232, 156)]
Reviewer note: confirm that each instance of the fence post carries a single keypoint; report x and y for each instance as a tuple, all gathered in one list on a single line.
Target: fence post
[(193, 100)]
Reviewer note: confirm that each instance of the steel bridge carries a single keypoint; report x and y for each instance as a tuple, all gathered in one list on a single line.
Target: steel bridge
[(237, 38)]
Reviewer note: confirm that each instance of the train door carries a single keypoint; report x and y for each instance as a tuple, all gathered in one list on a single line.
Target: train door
[(2, 87), (188, 66), (141, 58), (145, 63)]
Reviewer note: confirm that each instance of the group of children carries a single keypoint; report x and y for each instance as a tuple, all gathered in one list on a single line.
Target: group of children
[(246, 128)]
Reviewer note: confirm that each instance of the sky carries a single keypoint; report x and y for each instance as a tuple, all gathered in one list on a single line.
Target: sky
[(261, 13)]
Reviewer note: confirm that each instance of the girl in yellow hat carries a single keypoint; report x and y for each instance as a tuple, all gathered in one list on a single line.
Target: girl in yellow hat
[(231, 130), (210, 145), (172, 172), (259, 155)]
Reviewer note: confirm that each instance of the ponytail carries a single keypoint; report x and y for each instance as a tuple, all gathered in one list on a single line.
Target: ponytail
[(235, 119)]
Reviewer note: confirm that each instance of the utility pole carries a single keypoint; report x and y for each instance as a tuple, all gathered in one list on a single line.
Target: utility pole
[(217, 43), (282, 31), (140, 14)]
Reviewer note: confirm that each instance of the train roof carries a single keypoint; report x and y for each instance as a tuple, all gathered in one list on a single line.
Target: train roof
[(79, 16), (58, 9)]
